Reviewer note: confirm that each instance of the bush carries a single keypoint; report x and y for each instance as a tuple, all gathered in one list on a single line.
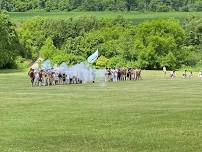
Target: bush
[(67, 58), (102, 62), (59, 58), (117, 61), (48, 49), (21, 63), (132, 65)]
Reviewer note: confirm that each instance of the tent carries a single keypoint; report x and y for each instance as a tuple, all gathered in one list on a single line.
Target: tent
[(36, 64)]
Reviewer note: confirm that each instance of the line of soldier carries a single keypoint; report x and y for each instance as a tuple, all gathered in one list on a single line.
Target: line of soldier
[(47, 78), (122, 74)]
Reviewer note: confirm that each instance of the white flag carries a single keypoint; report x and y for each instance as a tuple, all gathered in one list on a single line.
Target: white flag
[(91, 59)]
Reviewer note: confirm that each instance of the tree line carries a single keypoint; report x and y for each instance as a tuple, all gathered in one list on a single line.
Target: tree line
[(148, 45), (101, 5)]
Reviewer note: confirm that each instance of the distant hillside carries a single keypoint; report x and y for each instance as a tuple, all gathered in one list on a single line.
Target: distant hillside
[(101, 5), (134, 17)]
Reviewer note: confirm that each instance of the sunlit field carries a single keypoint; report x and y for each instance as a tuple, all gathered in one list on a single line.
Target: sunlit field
[(135, 17), (155, 114)]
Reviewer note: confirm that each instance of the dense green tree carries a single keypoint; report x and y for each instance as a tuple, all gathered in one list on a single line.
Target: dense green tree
[(32, 36), (42, 4), (149, 45), (159, 43), (131, 4), (34, 33), (9, 43), (48, 49), (193, 27), (102, 5), (193, 41)]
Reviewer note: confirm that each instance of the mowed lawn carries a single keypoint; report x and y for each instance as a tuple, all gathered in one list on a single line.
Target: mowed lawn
[(151, 115), (135, 17)]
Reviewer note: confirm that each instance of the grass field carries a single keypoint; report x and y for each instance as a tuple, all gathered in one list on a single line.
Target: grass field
[(151, 115), (135, 17)]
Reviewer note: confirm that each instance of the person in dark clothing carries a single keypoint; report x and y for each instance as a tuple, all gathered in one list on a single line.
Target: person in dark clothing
[(32, 76), (60, 78), (109, 75), (119, 74), (64, 78), (40, 77)]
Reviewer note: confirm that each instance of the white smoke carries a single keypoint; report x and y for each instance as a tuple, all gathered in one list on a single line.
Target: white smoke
[(83, 71)]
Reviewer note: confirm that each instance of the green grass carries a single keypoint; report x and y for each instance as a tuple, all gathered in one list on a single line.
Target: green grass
[(152, 115), (132, 16)]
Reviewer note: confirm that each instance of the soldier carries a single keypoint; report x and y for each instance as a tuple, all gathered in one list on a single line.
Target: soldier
[(32, 76), (40, 77), (164, 71)]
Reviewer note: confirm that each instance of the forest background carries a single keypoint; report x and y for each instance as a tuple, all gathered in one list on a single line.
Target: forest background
[(147, 44)]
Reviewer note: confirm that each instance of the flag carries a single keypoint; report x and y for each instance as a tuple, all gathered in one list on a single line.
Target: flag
[(91, 59)]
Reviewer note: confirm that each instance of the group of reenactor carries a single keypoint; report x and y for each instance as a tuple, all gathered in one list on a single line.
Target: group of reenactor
[(186, 74), (122, 74), (49, 77)]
